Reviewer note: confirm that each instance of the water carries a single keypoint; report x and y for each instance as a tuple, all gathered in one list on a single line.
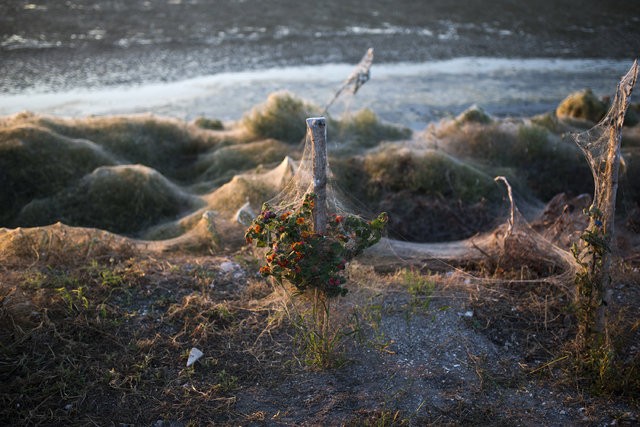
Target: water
[(190, 57), (410, 94)]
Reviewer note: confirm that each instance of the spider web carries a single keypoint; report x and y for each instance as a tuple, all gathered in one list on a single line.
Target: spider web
[(302, 183), (601, 145), (519, 243), (513, 243)]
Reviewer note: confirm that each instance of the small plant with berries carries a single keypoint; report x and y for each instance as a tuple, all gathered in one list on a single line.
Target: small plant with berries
[(307, 259), (311, 261)]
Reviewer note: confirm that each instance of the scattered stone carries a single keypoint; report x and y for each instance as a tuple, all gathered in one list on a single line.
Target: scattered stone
[(228, 267), (194, 355), (245, 215), (231, 270)]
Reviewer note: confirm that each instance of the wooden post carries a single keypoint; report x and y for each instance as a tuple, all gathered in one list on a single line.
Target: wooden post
[(607, 203), (593, 329), (318, 129)]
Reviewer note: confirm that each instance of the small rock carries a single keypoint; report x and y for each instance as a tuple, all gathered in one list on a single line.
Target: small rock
[(194, 355), (232, 269), (245, 215), (228, 267)]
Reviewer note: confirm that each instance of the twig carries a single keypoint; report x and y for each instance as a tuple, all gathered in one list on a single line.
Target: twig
[(546, 365)]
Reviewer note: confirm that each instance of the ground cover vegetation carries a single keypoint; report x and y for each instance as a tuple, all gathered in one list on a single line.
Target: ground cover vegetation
[(98, 312)]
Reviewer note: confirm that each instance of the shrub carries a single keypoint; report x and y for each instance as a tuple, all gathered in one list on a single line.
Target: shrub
[(428, 172), (222, 164), (364, 129), (36, 162), (583, 105), (163, 144), (473, 114), (121, 199), (281, 117), (304, 258), (210, 124), (429, 195), (542, 161)]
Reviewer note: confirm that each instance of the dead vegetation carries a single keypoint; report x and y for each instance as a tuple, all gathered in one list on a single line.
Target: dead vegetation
[(96, 328), (93, 329)]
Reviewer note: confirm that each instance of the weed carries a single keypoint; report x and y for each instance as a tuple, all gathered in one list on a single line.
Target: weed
[(105, 275), (226, 382), (34, 279), (420, 287), (75, 299), (366, 326), (319, 340)]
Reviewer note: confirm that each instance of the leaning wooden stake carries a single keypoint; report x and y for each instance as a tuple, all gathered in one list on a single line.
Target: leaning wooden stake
[(608, 201), (318, 129), (594, 293)]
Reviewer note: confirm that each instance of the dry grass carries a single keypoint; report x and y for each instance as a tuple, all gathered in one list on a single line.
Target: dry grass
[(520, 309), (93, 330), (108, 341), (96, 328)]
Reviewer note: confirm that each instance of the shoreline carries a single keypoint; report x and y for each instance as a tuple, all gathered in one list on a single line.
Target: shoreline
[(410, 94)]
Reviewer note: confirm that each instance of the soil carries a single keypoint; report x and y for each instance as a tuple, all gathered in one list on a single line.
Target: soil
[(105, 341)]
